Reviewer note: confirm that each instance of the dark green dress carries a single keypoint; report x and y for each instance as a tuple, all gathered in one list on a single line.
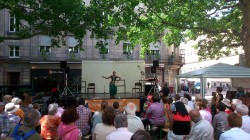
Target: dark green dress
[(112, 86)]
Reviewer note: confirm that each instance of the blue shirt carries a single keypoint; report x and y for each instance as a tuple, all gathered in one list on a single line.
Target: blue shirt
[(235, 134)]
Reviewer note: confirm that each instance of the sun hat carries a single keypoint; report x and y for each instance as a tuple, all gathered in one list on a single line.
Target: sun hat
[(16, 100), (236, 102), (10, 108), (226, 102)]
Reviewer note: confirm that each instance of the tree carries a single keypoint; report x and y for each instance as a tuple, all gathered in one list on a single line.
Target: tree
[(220, 25)]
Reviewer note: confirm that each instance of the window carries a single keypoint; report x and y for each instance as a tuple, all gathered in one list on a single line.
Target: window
[(13, 24), (44, 43), (45, 49), (14, 52), (127, 48), (73, 49), (72, 42), (103, 46)]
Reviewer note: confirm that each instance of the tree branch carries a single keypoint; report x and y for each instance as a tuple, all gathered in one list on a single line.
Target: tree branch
[(224, 7)]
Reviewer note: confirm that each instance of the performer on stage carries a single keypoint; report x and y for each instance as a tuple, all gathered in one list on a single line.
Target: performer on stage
[(112, 86)]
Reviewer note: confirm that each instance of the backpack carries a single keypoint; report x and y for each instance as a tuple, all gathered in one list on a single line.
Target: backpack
[(20, 135)]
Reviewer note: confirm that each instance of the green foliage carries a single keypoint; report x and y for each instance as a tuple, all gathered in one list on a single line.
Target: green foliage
[(218, 24)]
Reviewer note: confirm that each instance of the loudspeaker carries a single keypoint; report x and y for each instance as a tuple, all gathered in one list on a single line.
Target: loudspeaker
[(67, 69), (153, 69), (63, 64), (155, 63)]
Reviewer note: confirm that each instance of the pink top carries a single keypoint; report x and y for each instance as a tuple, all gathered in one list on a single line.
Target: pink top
[(68, 132)]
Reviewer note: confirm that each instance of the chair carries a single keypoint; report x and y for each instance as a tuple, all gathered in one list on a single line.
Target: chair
[(91, 86), (137, 88)]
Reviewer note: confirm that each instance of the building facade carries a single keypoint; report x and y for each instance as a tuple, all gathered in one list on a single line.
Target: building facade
[(34, 62)]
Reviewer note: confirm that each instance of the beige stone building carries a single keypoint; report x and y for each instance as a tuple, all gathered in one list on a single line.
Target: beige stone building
[(34, 62)]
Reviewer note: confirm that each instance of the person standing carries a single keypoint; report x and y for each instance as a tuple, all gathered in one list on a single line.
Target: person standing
[(112, 87)]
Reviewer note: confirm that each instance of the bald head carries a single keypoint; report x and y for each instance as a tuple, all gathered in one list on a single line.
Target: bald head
[(195, 115)]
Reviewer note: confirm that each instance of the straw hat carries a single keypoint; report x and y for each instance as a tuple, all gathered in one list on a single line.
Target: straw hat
[(226, 102), (10, 108)]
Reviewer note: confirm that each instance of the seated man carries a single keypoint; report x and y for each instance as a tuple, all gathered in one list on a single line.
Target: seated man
[(31, 119), (243, 111), (121, 133), (134, 122), (156, 110), (202, 129), (235, 133)]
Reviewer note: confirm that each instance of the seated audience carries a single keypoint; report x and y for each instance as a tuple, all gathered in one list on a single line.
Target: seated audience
[(36, 106), (235, 133), (234, 103), (49, 123), (156, 110), (30, 121), (116, 107), (67, 130), (121, 133), (190, 102), (202, 129), (134, 122), (60, 109), (185, 102), (4, 119), (141, 135), (220, 123), (227, 103), (11, 109), (107, 126), (84, 117), (18, 103), (203, 112), (180, 123), (97, 117), (243, 111)]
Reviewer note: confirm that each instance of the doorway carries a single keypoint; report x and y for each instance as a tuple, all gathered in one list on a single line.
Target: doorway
[(13, 78)]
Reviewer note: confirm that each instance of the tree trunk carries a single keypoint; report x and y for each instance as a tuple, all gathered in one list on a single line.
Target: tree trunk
[(245, 34)]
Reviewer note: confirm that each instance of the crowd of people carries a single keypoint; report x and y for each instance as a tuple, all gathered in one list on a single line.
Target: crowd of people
[(223, 118)]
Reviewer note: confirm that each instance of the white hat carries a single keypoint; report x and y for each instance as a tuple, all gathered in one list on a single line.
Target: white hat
[(226, 102), (10, 108), (7, 96), (236, 102), (16, 100)]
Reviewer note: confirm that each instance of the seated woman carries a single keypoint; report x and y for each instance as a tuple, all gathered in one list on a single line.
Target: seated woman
[(107, 126), (180, 123), (49, 123), (67, 130)]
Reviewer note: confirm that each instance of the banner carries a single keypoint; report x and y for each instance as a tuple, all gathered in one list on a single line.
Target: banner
[(94, 105)]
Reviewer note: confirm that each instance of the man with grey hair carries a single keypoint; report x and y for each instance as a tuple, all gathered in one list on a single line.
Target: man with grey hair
[(121, 133), (31, 119), (134, 122), (202, 129), (243, 111)]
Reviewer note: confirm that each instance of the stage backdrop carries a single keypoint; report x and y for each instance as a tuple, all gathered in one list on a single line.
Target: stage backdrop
[(92, 72)]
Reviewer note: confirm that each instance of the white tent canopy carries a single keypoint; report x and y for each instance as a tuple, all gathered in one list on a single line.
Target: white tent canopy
[(219, 70)]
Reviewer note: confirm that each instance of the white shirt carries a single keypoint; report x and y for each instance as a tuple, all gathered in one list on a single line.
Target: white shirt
[(134, 123), (235, 134), (246, 123), (120, 134)]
